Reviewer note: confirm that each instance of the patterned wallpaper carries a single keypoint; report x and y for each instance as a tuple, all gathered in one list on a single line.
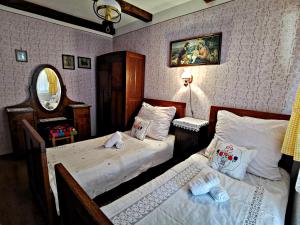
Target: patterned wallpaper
[(260, 62), (260, 59), (45, 43)]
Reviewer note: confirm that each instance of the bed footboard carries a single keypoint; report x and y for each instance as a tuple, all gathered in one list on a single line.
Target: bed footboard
[(76, 207), (38, 172)]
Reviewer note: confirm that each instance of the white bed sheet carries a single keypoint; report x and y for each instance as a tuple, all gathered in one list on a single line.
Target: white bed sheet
[(167, 200), (98, 169)]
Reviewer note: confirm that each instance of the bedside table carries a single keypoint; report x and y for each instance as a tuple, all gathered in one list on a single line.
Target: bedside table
[(191, 135)]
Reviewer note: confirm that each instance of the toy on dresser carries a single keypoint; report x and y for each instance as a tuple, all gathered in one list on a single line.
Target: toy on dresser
[(62, 132)]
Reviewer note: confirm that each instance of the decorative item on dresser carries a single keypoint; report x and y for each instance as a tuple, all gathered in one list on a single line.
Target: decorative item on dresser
[(190, 136), (119, 90), (47, 105)]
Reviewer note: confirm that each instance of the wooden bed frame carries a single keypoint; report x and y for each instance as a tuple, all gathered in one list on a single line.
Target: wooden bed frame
[(76, 205), (38, 167)]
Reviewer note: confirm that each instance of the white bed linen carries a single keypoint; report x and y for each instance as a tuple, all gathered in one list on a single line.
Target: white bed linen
[(167, 200), (98, 169)]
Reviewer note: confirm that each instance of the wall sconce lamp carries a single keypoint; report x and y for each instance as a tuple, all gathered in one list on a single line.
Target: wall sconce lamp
[(187, 77)]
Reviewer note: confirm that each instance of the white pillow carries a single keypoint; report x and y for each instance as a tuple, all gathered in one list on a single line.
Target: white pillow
[(140, 128), (161, 118), (265, 136), (230, 159)]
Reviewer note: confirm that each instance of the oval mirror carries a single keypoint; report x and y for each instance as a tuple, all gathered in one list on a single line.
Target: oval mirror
[(48, 89)]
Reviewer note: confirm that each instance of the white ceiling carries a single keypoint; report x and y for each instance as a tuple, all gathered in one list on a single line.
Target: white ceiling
[(162, 10), (83, 8)]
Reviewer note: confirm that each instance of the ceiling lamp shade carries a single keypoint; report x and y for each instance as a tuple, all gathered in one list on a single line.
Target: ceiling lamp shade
[(108, 10)]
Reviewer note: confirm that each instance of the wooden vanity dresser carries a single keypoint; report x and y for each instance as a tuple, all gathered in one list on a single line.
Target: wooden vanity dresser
[(41, 114)]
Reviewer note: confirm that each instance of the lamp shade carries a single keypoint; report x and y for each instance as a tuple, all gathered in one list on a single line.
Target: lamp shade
[(109, 10), (111, 3), (186, 74), (291, 143)]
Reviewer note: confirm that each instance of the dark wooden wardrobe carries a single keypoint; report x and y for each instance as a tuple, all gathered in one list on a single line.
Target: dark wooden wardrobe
[(119, 90)]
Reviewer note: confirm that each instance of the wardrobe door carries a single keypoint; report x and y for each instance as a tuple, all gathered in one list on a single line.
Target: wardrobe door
[(117, 97), (135, 69), (103, 95)]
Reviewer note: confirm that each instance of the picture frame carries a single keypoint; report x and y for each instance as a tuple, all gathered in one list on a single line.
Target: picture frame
[(21, 55), (83, 62), (196, 51), (68, 62)]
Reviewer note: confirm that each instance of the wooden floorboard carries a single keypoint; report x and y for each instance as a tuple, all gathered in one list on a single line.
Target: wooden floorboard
[(17, 206)]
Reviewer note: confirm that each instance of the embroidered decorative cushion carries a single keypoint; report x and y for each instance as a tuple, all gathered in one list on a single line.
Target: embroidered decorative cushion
[(231, 159), (140, 128), (265, 136), (161, 118)]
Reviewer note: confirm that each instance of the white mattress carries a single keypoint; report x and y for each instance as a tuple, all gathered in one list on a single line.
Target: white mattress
[(98, 169), (167, 200)]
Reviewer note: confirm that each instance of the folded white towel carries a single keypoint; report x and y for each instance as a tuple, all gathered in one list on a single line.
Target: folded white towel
[(219, 194), (116, 137), (202, 184), (120, 144)]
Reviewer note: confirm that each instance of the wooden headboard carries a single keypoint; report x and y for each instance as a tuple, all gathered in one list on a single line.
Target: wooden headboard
[(180, 106)]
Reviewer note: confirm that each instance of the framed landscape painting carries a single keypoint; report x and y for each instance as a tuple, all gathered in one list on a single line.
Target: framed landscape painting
[(84, 62), (201, 50), (68, 62)]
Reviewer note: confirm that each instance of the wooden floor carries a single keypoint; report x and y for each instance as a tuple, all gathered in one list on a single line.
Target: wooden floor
[(17, 206)]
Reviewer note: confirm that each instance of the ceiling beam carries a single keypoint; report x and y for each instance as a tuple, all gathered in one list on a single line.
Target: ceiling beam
[(50, 13), (135, 11)]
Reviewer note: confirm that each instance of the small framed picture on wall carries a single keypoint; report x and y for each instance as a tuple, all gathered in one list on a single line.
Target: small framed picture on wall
[(21, 55), (84, 62), (68, 62)]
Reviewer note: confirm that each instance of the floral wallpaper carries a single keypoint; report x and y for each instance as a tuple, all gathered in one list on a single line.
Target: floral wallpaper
[(260, 59), (45, 43)]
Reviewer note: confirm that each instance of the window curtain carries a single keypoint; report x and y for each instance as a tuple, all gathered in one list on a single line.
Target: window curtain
[(291, 143), (52, 79)]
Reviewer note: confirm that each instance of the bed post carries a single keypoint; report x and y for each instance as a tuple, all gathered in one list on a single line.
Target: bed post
[(76, 207), (38, 172)]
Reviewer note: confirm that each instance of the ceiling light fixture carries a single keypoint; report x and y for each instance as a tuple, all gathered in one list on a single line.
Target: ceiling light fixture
[(110, 12)]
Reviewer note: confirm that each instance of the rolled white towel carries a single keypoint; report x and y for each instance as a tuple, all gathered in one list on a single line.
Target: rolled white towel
[(219, 194), (116, 137), (120, 144), (202, 184)]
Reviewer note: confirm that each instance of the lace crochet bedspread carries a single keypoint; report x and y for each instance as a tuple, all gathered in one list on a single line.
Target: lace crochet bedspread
[(167, 200)]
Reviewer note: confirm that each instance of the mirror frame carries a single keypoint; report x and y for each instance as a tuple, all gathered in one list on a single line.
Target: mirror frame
[(34, 89)]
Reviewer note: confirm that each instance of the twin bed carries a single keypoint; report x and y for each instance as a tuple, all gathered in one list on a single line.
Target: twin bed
[(167, 199), (97, 169), (164, 200)]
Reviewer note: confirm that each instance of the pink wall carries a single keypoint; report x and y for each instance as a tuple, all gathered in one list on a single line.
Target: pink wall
[(260, 63), (45, 43)]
